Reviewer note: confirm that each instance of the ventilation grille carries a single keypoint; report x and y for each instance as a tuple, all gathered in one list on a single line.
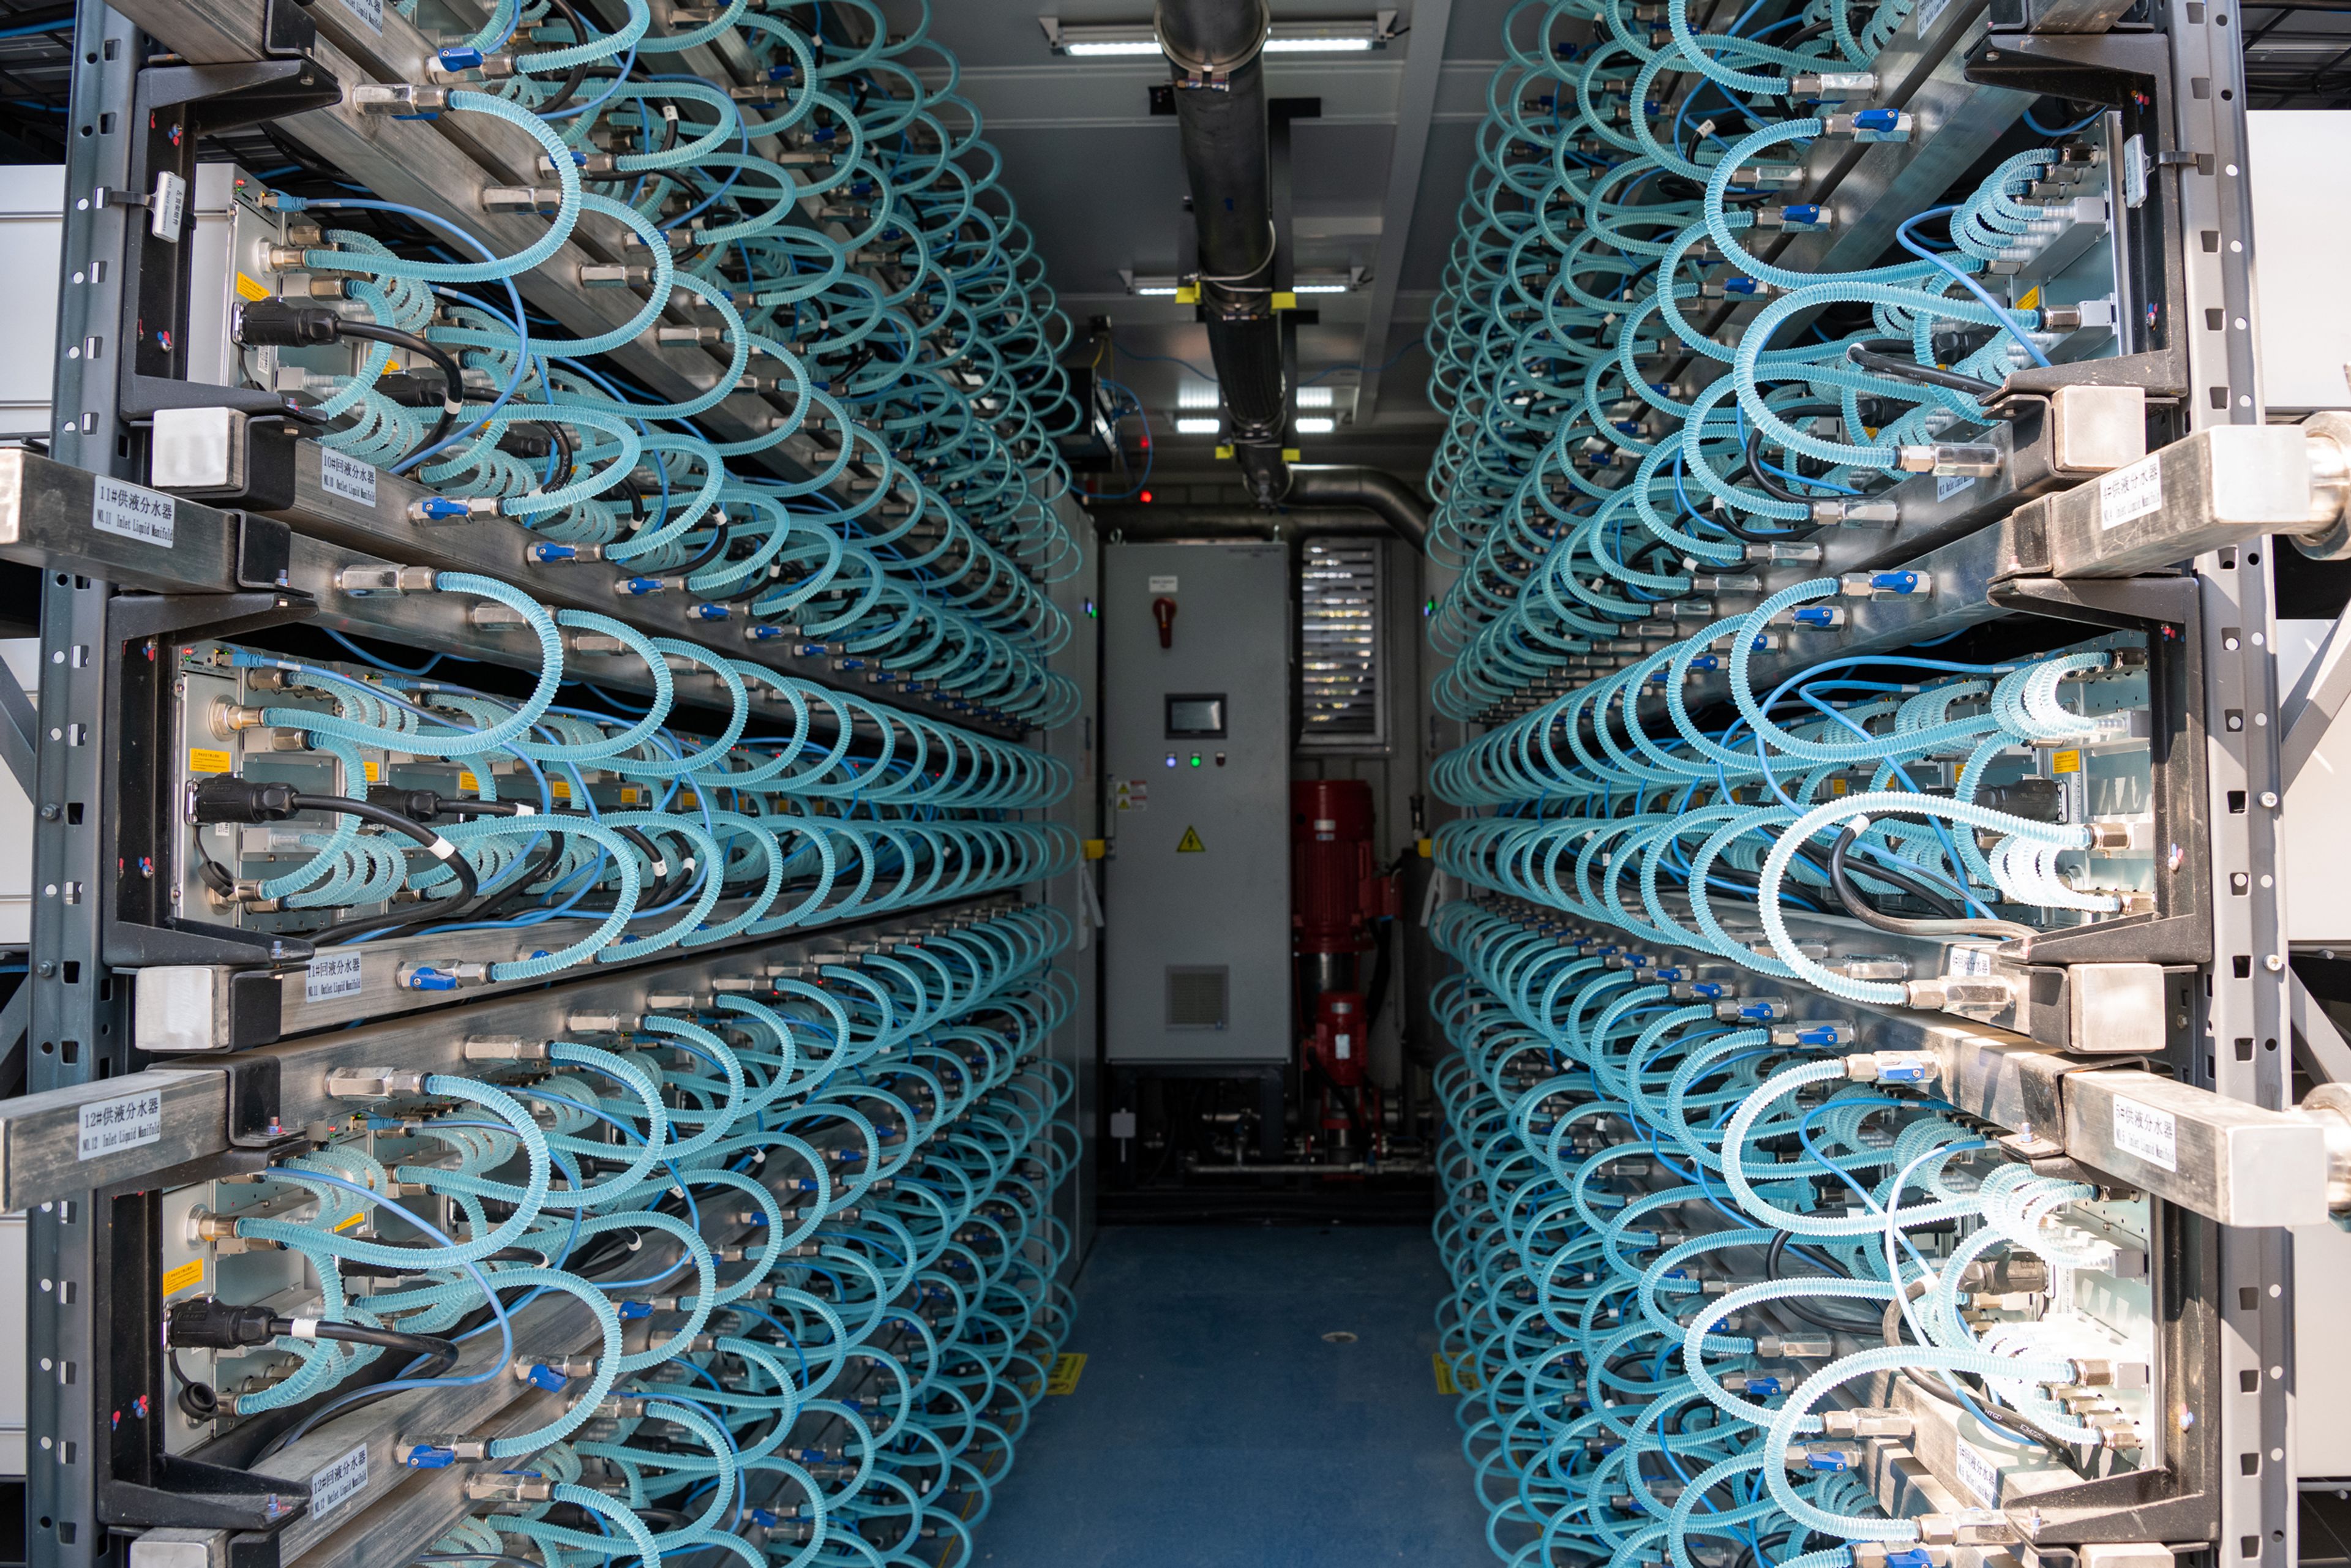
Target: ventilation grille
[(1195, 995), (1340, 673)]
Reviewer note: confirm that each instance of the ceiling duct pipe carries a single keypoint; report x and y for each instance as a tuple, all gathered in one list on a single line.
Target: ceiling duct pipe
[(1377, 492), (1214, 50), (1330, 501)]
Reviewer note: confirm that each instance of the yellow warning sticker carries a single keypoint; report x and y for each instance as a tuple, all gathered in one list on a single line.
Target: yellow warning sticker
[(1067, 1370), (467, 781), (205, 760), (560, 788), (1191, 844), (2031, 301), (247, 288), (1467, 1381), (353, 1223), (2066, 762), (191, 1272), (374, 771)]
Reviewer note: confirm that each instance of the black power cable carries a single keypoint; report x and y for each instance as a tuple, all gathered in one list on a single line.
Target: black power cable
[(207, 1322), (1869, 914), (1870, 355), (226, 799), (274, 323)]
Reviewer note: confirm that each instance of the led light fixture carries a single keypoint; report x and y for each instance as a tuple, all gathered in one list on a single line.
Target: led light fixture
[(1099, 40), (1317, 426), (1197, 426)]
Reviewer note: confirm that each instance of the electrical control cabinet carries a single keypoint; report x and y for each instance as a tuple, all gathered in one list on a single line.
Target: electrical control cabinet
[(1197, 738)]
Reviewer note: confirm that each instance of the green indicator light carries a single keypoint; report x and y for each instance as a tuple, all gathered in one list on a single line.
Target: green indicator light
[(1195, 759)]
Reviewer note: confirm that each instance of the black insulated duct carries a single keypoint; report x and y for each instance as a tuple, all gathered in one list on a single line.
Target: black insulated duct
[(1214, 49), (1347, 501), (1382, 495), (1214, 52)]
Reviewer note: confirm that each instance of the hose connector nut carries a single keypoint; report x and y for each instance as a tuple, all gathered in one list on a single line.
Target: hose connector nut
[(1965, 459), (1833, 84), (438, 1453), (452, 508), (364, 582), (2102, 1372), (538, 199), (1954, 993), (1966, 1527), (442, 976), (1857, 514), (587, 163), (509, 1485), (504, 1048), (1795, 1347), (1869, 125), (403, 101), (1866, 1421), (1800, 216), (372, 1083), (1892, 1067)]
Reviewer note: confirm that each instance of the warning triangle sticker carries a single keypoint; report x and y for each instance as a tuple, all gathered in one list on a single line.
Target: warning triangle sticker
[(1191, 844)]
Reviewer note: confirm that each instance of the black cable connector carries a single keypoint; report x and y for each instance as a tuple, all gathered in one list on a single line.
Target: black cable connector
[(274, 323), (224, 798), (210, 1323), (427, 806), (278, 324)]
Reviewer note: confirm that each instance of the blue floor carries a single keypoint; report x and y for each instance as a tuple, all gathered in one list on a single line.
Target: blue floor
[(1215, 1427)]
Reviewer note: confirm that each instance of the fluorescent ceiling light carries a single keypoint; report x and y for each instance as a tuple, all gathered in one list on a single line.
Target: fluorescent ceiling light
[(1327, 280), (1317, 426), (1137, 38), (1197, 426), (1317, 397)]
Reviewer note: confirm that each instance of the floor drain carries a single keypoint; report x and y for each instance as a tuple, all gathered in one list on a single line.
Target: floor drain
[(1338, 1336)]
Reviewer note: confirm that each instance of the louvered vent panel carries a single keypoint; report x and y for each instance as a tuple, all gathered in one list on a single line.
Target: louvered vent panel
[(1339, 595)]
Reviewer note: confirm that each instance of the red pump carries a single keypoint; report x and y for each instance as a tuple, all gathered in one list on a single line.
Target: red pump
[(1337, 895)]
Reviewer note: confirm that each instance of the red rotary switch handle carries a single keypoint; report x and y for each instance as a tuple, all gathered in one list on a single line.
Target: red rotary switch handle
[(1163, 612)]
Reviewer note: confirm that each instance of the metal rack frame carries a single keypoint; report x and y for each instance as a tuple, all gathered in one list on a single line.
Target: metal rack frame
[(98, 590), (2227, 1004)]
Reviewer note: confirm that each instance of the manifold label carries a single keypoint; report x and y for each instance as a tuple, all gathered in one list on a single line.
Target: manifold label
[(111, 1126), (2152, 1134), (339, 1482), (2131, 492)]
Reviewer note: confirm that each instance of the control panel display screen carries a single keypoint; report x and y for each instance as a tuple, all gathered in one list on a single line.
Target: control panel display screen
[(1196, 714)]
